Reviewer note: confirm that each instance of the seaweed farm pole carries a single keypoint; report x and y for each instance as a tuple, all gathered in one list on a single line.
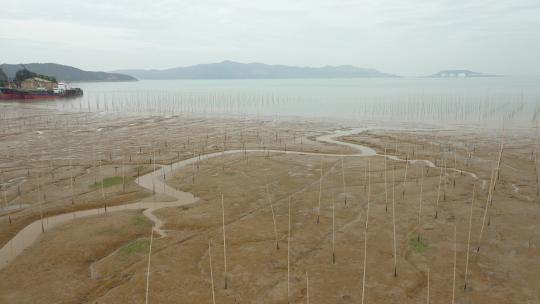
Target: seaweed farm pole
[(333, 232), (5, 196), (41, 207), (427, 298), (492, 180), (124, 176), (153, 175), (385, 183), (71, 182), (211, 273), (420, 203), (394, 217), (469, 238), (320, 193), (289, 256), (148, 269), (455, 263), (405, 176), (224, 243), (343, 176), (499, 161), (273, 216), (366, 234), (438, 195), (102, 190), (538, 183), (307, 287)]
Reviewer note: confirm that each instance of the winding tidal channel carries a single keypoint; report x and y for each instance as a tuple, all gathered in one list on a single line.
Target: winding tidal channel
[(155, 181)]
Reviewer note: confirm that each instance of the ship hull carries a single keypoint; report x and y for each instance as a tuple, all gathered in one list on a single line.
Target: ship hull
[(14, 94)]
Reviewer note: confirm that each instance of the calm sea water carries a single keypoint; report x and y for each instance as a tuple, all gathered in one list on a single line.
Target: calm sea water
[(479, 101)]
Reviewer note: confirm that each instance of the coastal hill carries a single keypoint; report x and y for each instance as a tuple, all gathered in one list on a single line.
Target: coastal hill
[(459, 73), (235, 70), (64, 72)]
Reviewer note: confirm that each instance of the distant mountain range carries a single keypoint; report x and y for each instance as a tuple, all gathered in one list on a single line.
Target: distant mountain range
[(221, 70), (236, 70), (460, 73), (64, 72)]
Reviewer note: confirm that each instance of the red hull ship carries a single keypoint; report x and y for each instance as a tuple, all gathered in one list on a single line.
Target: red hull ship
[(16, 94)]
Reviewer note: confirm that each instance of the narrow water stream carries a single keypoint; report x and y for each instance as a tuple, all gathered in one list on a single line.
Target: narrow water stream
[(154, 181)]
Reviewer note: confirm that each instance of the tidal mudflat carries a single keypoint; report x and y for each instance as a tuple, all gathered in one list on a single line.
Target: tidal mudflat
[(247, 210)]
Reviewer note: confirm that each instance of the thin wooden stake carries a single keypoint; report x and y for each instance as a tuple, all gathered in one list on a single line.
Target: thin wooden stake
[(71, 182), (343, 175), (405, 176), (148, 269), (455, 264), (289, 256), (438, 194), (469, 238), (420, 203), (385, 184), (273, 217), (224, 242), (211, 273), (492, 181), (427, 286), (394, 217), (333, 232), (366, 235), (320, 194), (307, 287)]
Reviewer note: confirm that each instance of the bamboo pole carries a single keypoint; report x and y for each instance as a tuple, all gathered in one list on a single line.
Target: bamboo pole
[(71, 182), (420, 203), (320, 194), (492, 181), (153, 176), (273, 216), (333, 232), (427, 286), (148, 268), (366, 235), (445, 178), (211, 273), (469, 238), (124, 176), (4, 190), (500, 157), (41, 207), (102, 186), (394, 217), (405, 176), (307, 287), (289, 256), (224, 242), (438, 194), (498, 169), (344, 187), (385, 183), (455, 264)]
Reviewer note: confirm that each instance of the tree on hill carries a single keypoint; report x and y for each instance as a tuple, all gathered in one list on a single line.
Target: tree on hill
[(24, 74), (3, 78)]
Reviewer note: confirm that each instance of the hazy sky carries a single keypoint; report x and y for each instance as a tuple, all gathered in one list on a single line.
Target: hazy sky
[(406, 37)]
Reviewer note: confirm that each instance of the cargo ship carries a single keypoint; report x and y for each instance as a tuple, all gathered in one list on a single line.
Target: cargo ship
[(62, 90)]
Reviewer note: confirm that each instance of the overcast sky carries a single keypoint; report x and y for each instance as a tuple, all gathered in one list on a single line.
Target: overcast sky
[(405, 37)]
